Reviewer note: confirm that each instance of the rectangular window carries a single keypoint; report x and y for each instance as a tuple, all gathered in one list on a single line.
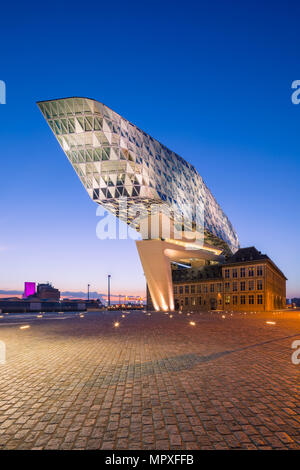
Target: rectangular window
[(199, 300), (243, 299), (251, 299), (259, 270), (243, 272), (193, 301), (219, 287), (199, 289), (180, 289), (187, 289), (227, 274), (193, 289), (234, 286), (186, 301), (251, 284), (234, 300), (259, 284), (205, 289), (251, 271), (175, 289), (227, 299), (234, 272), (260, 299), (212, 288), (243, 285), (227, 286)]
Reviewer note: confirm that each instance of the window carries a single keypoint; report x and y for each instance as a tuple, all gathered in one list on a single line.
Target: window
[(219, 287), (186, 301), (227, 299), (259, 270), (251, 285), (175, 290), (251, 299), (234, 286), (234, 299), (220, 301), (193, 289), (199, 300), (259, 284), (251, 271), (180, 289), (227, 274), (212, 288), (260, 299), (193, 301), (205, 289), (187, 289), (243, 299), (199, 289), (243, 285), (227, 286), (243, 272), (234, 272)]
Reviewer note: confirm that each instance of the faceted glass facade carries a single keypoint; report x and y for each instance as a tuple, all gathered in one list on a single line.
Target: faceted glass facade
[(113, 158)]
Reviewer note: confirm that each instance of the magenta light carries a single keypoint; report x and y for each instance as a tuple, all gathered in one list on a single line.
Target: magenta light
[(29, 289)]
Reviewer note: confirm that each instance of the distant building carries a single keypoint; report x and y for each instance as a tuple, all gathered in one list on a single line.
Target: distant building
[(296, 301), (47, 292), (29, 289), (247, 280)]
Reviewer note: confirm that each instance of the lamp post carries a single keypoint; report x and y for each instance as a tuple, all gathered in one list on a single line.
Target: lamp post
[(88, 292), (108, 290)]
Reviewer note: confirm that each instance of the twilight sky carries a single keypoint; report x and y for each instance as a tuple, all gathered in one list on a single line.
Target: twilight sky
[(210, 80)]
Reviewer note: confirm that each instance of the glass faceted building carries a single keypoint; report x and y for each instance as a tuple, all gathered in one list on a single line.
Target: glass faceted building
[(113, 158)]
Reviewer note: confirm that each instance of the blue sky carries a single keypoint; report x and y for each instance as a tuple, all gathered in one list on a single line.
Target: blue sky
[(211, 80)]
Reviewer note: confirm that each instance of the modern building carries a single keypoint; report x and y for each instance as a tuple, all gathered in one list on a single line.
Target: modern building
[(29, 289), (247, 281), (114, 160)]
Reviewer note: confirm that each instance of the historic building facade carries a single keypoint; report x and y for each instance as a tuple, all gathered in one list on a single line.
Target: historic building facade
[(247, 281)]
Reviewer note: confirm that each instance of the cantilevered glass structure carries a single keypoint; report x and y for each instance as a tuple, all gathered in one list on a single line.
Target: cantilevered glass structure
[(113, 159)]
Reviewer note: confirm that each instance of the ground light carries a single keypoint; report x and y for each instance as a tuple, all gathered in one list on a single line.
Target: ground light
[(24, 327), (192, 323), (116, 324), (271, 322)]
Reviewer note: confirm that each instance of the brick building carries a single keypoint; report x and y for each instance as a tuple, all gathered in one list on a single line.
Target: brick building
[(248, 280)]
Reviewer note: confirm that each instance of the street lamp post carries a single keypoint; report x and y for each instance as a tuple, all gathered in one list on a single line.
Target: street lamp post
[(88, 292), (108, 290)]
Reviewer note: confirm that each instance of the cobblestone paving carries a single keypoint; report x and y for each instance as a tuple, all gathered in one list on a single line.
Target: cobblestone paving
[(154, 382)]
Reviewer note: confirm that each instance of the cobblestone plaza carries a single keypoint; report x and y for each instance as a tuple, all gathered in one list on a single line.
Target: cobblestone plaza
[(160, 381)]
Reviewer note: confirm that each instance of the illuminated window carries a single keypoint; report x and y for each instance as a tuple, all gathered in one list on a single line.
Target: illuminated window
[(243, 299), (259, 270), (227, 299), (243, 272), (193, 301)]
